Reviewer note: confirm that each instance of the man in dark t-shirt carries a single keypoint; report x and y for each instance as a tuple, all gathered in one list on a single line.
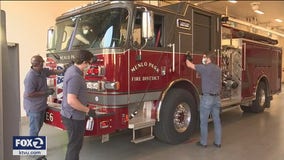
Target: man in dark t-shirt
[(74, 104), (36, 93), (210, 100)]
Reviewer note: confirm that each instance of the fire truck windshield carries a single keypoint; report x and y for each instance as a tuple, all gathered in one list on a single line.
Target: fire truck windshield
[(104, 29)]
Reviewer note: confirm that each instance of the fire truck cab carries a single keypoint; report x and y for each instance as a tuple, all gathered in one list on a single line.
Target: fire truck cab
[(139, 79)]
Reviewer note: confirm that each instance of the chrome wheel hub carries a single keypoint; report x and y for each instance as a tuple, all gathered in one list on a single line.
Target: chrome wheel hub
[(182, 117), (262, 98)]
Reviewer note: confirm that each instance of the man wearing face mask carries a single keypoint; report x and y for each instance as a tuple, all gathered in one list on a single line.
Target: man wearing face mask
[(74, 105), (83, 35), (210, 100)]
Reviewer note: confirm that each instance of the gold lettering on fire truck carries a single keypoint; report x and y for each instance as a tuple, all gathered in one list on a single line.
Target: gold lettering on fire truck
[(145, 78), (66, 57), (145, 65)]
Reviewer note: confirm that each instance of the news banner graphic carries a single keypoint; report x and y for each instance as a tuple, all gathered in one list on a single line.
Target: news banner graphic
[(29, 145)]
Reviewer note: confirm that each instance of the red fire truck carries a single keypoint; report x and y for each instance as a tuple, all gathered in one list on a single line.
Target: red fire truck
[(139, 79)]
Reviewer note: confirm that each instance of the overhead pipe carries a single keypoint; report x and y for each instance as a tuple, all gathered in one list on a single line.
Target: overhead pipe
[(255, 26), (251, 25)]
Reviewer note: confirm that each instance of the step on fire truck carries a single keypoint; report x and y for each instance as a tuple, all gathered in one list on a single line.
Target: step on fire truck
[(139, 79)]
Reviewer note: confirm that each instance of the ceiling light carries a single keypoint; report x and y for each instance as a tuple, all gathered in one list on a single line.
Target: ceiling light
[(255, 7), (258, 12), (278, 20), (232, 1)]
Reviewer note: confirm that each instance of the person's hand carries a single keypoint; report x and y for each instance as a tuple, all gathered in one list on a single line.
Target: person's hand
[(188, 57), (91, 113), (50, 91)]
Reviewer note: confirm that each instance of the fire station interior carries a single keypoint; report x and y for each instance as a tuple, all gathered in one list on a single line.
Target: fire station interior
[(245, 135)]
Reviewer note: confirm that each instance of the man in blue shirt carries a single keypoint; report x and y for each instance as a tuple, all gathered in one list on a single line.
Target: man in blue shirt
[(210, 100), (36, 93)]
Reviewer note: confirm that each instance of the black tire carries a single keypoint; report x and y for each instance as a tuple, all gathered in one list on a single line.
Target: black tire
[(246, 108), (178, 117), (261, 101), (41, 158)]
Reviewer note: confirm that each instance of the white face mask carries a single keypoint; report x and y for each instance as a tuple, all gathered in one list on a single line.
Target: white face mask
[(204, 60), (86, 69), (85, 31)]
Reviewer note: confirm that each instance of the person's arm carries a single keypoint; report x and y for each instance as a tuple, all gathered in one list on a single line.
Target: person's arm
[(82, 39), (190, 64), (74, 102), (37, 94), (57, 72), (53, 72), (41, 93), (31, 91)]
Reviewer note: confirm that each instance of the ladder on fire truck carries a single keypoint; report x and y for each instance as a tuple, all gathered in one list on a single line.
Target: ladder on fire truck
[(142, 129)]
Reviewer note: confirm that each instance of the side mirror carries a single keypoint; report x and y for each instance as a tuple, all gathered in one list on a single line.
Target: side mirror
[(50, 38), (147, 24)]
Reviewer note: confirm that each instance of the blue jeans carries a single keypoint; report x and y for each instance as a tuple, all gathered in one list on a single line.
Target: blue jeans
[(210, 105), (36, 122)]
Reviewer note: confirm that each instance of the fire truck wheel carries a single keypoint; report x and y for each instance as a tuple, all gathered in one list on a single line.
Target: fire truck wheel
[(178, 117), (261, 100), (246, 108)]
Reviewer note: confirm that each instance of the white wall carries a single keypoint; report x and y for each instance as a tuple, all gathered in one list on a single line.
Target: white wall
[(27, 23)]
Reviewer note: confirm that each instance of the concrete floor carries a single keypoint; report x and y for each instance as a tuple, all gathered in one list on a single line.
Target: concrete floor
[(246, 136)]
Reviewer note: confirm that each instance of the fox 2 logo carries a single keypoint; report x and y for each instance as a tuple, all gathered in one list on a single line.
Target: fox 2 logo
[(29, 142)]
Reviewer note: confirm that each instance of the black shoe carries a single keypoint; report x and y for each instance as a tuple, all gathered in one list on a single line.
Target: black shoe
[(217, 145), (201, 145), (41, 158)]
